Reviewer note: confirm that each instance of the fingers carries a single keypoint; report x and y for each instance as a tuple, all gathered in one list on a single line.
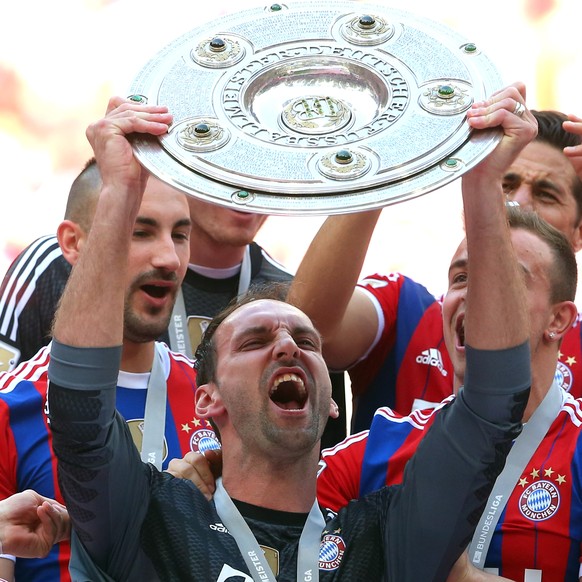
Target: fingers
[(120, 170), (505, 108), (124, 117), (55, 521), (214, 458), (574, 153), (196, 468)]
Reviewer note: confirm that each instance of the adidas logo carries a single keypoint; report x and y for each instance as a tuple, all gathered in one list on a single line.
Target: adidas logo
[(432, 357)]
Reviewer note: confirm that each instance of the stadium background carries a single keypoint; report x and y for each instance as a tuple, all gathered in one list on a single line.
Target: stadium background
[(61, 60)]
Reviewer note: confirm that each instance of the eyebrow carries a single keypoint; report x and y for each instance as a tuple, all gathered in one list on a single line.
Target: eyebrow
[(541, 183), (458, 264), (463, 264), (264, 330), (146, 221)]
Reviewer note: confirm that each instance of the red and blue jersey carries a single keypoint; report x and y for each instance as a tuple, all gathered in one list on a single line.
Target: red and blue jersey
[(408, 365), (28, 462), (539, 534)]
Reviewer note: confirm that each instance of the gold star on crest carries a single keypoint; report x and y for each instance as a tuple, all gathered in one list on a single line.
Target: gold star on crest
[(196, 422), (548, 472), (560, 355), (338, 531), (571, 361), (523, 482), (535, 473), (561, 479), (186, 428)]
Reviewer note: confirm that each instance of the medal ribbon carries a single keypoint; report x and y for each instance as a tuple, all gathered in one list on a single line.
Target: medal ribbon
[(178, 328), (154, 422), (309, 542), (523, 448)]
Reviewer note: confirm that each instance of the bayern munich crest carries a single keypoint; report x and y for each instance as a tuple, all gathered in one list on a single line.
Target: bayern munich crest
[(331, 552), (563, 376), (539, 501), (204, 440)]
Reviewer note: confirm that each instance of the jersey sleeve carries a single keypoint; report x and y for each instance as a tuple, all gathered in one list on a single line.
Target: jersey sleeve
[(9, 454), (338, 479), (401, 303), (29, 294), (94, 451)]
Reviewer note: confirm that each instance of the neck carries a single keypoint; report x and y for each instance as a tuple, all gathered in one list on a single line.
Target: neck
[(208, 253), (137, 357), (284, 485), (542, 377)]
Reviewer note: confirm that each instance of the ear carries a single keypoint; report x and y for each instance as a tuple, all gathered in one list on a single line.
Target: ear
[(333, 409), (71, 238), (208, 401), (564, 315), (576, 240)]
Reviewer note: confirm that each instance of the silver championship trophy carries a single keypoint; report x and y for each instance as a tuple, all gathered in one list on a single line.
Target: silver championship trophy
[(316, 108)]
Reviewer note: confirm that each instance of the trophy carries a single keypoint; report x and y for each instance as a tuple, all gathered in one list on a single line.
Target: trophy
[(315, 107)]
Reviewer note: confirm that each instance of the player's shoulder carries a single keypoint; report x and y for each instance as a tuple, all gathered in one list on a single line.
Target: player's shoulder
[(173, 359), (357, 440), (572, 407), (43, 250), (270, 268), (393, 280), (419, 418), (33, 370), (41, 259)]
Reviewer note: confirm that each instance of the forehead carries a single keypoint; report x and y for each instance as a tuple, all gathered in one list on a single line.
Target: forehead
[(263, 314), (161, 200), (532, 252), (540, 160)]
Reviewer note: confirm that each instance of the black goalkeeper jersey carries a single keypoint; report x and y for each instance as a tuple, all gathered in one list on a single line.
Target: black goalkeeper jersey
[(136, 523)]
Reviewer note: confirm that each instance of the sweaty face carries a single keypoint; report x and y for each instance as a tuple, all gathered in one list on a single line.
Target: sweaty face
[(220, 225), (541, 179), (272, 378), (158, 261), (535, 260)]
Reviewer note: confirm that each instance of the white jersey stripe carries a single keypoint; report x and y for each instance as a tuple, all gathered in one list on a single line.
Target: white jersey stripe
[(9, 307)]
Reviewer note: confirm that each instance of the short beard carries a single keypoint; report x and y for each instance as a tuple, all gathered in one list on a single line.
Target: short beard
[(136, 330)]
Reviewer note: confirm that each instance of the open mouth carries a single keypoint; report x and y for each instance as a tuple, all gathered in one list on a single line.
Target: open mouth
[(460, 330), (289, 392), (156, 291)]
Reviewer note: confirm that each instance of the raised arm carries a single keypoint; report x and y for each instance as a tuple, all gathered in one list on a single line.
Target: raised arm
[(98, 278), (456, 464), (325, 287), (91, 441), (496, 315)]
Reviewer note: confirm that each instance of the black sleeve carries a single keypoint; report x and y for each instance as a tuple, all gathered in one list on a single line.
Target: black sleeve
[(104, 483), (447, 483)]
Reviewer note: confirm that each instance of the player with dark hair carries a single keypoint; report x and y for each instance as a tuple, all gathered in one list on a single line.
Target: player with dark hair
[(270, 397), (387, 331), (537, 496), (155, 386), (224, 262)]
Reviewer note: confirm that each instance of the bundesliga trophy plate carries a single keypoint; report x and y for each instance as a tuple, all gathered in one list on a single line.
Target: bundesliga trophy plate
[(315, 108)]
